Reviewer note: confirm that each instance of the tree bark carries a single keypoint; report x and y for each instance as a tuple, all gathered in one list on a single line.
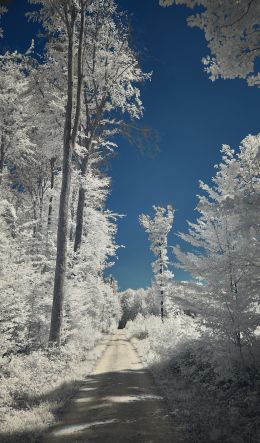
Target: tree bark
[(61, 259), (84, 166), (52, 164), (80, 208), (2, 157), (161, 289), (80, 216)]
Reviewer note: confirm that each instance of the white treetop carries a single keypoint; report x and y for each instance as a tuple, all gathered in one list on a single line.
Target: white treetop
[(232, 31), (158, 229)]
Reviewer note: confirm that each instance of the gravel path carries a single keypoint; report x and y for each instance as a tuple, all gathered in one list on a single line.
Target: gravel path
[(117, 403)]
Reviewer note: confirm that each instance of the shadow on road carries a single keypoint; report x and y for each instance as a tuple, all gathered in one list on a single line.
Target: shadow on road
[(118, 403), (111, 407), (115, 407)]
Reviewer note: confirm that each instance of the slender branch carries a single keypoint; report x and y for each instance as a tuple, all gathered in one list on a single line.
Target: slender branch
[(80, 74)]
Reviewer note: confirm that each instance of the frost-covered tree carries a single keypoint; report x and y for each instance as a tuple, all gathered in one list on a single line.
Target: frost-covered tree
[(225, 243), (158, 229), (17, 278), (14, 136), (26, 133), (111, 75), (46, 114), (89, 40), (232, 31)]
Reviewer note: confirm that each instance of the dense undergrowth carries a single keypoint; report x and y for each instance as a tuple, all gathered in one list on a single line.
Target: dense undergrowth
[(35, 388)]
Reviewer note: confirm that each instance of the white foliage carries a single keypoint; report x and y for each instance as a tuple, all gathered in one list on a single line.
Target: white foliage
[(225, 241), (232, 31), (3, 10), (158, 229)]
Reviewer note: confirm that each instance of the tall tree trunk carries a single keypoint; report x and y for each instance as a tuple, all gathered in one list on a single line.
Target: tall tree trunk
[(80, 207), (161, 286), (82, 192), (40, 210), (61, 259), (52, 164), (80, 216), (72, 213), (35, 219), (70, 135), (2, 156)]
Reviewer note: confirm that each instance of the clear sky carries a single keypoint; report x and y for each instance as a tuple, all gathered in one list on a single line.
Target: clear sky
[(192, 116)]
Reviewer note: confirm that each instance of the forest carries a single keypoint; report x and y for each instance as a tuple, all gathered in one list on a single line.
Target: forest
[(63, 114)]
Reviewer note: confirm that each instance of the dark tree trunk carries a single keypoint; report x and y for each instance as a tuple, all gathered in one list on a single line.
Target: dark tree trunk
[(80, 216), (35, 220), (2, 156), (52, 162), (80, 208), (61, 259), (84, 166), (161, 290), (72, 213)]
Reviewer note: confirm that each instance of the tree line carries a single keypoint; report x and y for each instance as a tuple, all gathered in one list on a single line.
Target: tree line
[(60, 113)]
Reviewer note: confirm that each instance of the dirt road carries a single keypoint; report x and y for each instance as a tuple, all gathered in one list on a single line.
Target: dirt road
[(117, 403)]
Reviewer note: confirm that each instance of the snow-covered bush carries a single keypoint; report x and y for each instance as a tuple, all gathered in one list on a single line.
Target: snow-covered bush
[(137, 328), (211, 400), (166, 339)]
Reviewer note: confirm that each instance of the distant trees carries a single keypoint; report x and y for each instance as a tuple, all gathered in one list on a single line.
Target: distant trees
[(140, 301), (232, 31), (158, 229)]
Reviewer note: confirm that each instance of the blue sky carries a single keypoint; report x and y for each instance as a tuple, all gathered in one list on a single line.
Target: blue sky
[(192, 116)]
